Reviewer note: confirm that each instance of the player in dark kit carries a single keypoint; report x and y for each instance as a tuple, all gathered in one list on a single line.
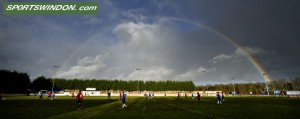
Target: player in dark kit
[(199, 97), (219, 98), (124, 99), (79, 98), (108, 94), (223, 98)]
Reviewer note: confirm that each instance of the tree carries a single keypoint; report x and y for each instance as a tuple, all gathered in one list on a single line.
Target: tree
[(41, 83), (296, 83), (14, 82)]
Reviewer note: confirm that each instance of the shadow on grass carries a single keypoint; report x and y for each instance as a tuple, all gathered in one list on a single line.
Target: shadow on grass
[(26, 107)]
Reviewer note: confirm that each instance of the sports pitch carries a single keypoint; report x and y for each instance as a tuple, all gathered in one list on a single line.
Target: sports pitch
[(158, 107)]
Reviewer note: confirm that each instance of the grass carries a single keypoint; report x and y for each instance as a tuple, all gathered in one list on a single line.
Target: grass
[(159, 107)]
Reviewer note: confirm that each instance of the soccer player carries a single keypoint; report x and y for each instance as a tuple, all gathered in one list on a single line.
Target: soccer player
[(192, 95), (120, 95), (199, 97), (49, 95), (108, 94), (219, 98), (124, 99), (79, 98), (52, 95), (150, 97), (178, 96), (73, 94), (223, 98), (41, 95)]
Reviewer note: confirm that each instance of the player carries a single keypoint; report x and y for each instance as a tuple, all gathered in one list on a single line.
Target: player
[(120, 95), (192, 95), (41, 95), (79, 98), (108, 94), (219, 98), (178, 96), (73, 94), (52, 95), (150, 97), (124, 99), (199, 97), (223, 98), (49, 95)]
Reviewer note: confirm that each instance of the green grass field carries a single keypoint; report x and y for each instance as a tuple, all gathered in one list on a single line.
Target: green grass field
[(158, 107)]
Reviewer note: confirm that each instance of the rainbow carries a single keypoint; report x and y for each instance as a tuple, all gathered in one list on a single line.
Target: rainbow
[(260, 69), (262, 72), (72, 54)]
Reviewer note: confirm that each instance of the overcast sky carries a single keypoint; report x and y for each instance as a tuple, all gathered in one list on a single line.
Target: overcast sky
[(167, 39)]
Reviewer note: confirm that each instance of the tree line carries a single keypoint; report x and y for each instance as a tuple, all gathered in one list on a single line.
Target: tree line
[(129, 85), (255, 88), (42, 83), (14, 82)]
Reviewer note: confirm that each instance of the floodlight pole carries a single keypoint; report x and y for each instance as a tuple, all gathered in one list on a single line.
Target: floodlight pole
[(204, 71), (55, 73), (137, 86), (207, 90), (267, 87), (233, 85)]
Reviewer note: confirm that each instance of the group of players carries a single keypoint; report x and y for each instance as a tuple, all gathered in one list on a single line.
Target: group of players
[(123, 97), (150, 95), (220, 97), (79, 97), (51, 95)]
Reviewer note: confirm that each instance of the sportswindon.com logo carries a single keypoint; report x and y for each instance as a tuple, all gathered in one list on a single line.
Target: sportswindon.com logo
[(50, 8)]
